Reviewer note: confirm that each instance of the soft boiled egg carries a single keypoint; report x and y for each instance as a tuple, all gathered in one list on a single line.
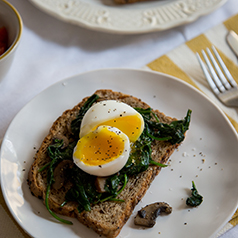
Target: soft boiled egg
[(108, 129), (102, 152), (116, 114)]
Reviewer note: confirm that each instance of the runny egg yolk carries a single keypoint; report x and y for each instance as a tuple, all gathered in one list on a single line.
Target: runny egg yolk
[(130, 125), (99, 147), (103, 151)]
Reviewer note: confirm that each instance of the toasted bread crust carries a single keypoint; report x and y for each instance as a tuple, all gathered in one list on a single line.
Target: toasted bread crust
[(109, 217)]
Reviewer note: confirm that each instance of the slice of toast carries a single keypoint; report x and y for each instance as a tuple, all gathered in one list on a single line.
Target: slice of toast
[(106, 218)]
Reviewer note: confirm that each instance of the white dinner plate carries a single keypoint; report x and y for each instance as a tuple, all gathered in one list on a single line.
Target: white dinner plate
[(208, 156), (141, 17)]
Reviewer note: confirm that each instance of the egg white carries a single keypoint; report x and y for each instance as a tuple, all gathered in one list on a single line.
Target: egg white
[(108, 110)]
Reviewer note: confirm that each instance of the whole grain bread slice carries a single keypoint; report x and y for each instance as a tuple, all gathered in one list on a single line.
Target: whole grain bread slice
[(106, 218)]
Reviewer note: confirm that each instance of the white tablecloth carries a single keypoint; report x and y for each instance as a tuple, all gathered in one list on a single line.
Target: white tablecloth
[(51, 50)]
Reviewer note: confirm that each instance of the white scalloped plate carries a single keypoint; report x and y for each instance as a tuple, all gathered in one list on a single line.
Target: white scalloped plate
[(142, 17), (208, 156)]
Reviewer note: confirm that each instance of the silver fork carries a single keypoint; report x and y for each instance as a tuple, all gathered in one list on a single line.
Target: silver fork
[(225, 88)]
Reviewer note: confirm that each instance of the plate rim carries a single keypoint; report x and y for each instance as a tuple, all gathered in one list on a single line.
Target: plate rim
[(189, 15)]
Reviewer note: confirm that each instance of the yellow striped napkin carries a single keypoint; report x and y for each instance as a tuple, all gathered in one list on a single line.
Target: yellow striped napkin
[(182, 63)]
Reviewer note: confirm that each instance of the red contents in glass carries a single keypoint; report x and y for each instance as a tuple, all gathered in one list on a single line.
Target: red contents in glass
[(3, 40)]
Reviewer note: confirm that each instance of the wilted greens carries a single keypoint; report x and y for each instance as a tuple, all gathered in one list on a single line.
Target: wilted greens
[(195, 199), (84, 191)]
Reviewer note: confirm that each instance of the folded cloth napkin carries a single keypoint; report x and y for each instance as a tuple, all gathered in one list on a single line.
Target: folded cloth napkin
[(182, 63)]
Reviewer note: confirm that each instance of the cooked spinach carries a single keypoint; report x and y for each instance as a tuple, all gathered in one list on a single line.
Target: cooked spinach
[(68, 151), (76, 123), (138, 160), (113, 183), (56, 156), (173, 132), (84, 190), (140, 156), (195, 199)]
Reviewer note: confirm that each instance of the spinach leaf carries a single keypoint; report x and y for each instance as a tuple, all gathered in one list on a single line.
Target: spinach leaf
[(55, 155), (112, 186), (113, 183), (138, 160), (173, 132), (68, 151), (196, 199), (76, 123), (83, 189)]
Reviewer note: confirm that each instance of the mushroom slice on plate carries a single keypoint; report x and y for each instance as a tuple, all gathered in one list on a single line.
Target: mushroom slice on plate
[(147, 215)]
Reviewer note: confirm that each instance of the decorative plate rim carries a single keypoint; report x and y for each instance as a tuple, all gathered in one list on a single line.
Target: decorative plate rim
[(127, 21)]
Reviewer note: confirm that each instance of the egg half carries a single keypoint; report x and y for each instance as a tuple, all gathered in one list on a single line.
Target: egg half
[(108, 129), (116, 114), (102, 152)]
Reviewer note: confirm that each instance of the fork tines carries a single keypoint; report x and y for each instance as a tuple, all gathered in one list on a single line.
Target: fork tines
[(216, 79)]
